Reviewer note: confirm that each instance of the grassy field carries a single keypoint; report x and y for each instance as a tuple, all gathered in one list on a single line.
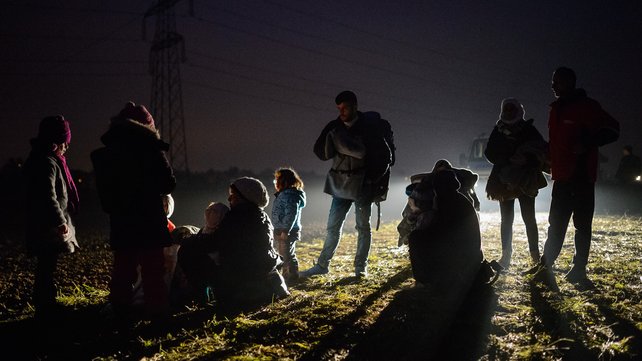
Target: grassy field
[(339, 317)]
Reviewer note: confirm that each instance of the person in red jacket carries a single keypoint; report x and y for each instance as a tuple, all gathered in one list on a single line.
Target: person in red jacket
[(577, 127)]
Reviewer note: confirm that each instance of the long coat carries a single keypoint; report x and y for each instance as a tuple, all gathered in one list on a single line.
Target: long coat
[(132, 173), (46, 204)]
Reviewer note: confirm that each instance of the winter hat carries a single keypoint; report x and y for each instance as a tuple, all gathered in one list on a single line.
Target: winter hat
[(138, 113), (519, 114), (446, 181), (54, 129), (252, 190)]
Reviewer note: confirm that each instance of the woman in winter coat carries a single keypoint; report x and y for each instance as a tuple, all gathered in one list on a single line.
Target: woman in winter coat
[(51, 197), (286, 218), (518, 153), (247, 275), (244, 270), (132, 175)]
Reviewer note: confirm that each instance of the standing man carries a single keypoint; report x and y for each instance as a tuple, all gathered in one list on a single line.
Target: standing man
[(577, 127), (362, 150)]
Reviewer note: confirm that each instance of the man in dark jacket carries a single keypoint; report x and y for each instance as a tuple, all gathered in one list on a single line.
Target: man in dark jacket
[(577, 127), (361, 156), (132, 175)]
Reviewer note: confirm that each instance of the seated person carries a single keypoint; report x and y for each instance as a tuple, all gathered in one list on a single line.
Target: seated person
[(418, 211), (447, 253), (243, 272), (197, 256)]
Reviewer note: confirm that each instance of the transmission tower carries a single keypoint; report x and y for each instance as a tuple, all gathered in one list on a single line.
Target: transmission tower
[(166, 54)]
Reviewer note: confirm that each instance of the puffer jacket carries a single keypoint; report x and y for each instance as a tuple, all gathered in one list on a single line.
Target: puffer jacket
[(46, 204), (577, 127), (286, 210), (132, 173)]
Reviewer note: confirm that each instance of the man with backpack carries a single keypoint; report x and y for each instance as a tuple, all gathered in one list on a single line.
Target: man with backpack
[(362, 150)]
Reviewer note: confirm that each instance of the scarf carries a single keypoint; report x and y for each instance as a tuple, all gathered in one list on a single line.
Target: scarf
[(72, 193)]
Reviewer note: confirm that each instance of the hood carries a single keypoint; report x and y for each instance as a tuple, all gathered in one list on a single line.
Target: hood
[(132, 134)]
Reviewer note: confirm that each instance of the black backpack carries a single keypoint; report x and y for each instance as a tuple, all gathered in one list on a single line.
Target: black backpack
[(380, 156)]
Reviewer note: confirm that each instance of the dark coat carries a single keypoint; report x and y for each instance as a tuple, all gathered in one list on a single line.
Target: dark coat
[(46, 204), (132, 173), (246, 273), (448, 252), (518, 154), (248, 261)]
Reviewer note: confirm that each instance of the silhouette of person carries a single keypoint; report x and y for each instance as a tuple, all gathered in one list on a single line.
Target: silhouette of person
[(577, 127)]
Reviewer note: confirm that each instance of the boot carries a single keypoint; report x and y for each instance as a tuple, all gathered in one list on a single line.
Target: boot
[(577, 274), (294, 272), (504, 261)]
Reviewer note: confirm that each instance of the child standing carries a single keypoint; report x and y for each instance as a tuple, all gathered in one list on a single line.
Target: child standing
[(286, 218)]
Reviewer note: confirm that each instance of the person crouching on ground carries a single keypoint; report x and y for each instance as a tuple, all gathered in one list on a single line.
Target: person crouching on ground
[(197, 257), (447, 253)]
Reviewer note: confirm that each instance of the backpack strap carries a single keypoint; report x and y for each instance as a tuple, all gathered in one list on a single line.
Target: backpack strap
[(378, 214)]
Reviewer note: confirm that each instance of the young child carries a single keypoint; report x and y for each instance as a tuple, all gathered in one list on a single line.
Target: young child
[(197, 255), (286, 218), (50, 199)]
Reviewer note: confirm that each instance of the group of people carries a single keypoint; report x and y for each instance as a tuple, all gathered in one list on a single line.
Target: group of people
[(242, 256)]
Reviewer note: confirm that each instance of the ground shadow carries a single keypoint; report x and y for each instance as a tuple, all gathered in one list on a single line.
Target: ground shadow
[(421, 325), (621, 327), (344, 333), (554, 322), (87, 333)]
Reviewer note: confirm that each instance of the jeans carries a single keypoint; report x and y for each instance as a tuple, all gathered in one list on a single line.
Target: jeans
[(507, 210), (338, 212), (576, 199)]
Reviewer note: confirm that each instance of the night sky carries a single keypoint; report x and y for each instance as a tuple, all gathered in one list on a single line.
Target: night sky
[(260, 77)]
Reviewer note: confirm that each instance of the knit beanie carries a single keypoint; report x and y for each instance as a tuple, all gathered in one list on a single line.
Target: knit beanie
[(138, 113), (54, 129), (252, 190), (446, 181)]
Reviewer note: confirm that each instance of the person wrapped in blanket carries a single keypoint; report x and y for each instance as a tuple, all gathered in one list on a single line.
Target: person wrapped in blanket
[(418, 212)]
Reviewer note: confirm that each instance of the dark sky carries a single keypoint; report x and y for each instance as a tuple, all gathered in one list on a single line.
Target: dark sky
[(261, 76)]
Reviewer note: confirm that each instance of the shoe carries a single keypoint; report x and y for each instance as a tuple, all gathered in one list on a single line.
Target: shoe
[(577, 274), (504, 261), (315, 270), (361, 273), (534, 270)]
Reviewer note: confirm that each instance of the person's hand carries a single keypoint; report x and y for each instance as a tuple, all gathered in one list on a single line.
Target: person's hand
[(281, 236), (63, 230)]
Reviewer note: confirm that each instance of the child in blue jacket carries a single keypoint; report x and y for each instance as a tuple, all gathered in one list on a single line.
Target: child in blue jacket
[(286, 218)]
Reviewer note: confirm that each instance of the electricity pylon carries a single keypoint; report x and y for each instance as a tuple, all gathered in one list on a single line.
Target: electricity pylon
[(167, 94)]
